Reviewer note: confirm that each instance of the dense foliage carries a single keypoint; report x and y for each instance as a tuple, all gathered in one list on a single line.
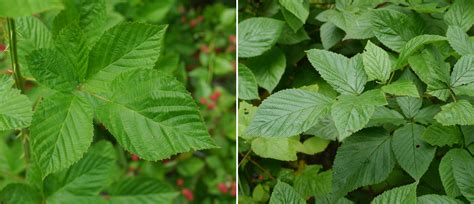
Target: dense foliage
[(95, 108), (356, 101)]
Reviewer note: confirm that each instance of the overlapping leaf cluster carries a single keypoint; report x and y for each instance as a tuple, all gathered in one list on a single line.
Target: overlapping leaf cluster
[(389, 83), (94, 74)]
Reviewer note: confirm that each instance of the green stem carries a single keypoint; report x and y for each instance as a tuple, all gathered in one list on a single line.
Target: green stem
[(452, 95), (18, 79), (14, 54)]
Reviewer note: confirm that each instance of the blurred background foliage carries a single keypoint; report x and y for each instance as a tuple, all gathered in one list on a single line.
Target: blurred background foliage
[(199, 51)]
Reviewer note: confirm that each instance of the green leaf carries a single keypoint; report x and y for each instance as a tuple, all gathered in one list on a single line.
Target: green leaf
[(358, 161), (463, 71), (15, 109), (401, 88), (446, 173), (32, 35), (248, 89), (461, 13), (20, 193), (394, 29), (403, 194), (288, 113), (257, 35), (139, 48), (61, 131), (425, 115), (16, 8), (410, 105), (292, 21), (312, 183), (330, 35), (83, 181), (91, 16), (299, 8), (289, 37), (284, 193), (463, 170), (141, 190), (148, 107), (314, 145), (325, 128), (268, 68), (413, 154), (283, 149), (352, 113), (383, 115), (415, 44), (345, 75), (436, 199), (377, 64), (11, 161), (71, 42), (439, 135), (456, 113), (52, 68), (460, 41)]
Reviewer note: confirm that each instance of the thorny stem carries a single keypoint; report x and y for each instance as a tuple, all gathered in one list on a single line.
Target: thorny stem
[(18, 79), (14, 54)]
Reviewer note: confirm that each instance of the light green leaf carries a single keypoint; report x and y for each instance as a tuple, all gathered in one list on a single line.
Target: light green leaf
[(345, 75), (413, 154), (463, 71), (248, 89), (362, 154), (401, 88), (461, 13), (268, 68), (15, 109), (288, 113), (463, 170), (446, 173), (139, 48), (52, 68), (394, 29), (245, 115), (284, 193), (83, 181), (383, 115), (410, 105), (436, 199), (61, 131), (299, 8), (415, 44), (141, 190), (16, 8), (330, 35), (314, 145), (32, 34), (352, 113), (149, 108), (456, 113), (257, 35), (312, 183), (20, 193), (283, 149), (377, 64), (403, 194), (11, 161), (90, 15), (439, 135), (460, 41), (71, 42)]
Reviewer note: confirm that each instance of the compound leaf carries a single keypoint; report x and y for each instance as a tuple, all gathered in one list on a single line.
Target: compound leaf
[(439, 135), (456, 113), (147, 109), (460, 41), (463, 71), (377, 64), (288, 113), (401, 88), (268, 68), (257, 35)]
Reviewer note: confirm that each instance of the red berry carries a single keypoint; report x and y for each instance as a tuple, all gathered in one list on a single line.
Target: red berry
[(215, 95), (135, 157), (2, 47), (211, 106), (203, 101), (260, 177), (233, 189), (179, 182), (131, 169), (165, 161), (222, 188), (193, 23), (204, 49), (232, 39), (188, 194)]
